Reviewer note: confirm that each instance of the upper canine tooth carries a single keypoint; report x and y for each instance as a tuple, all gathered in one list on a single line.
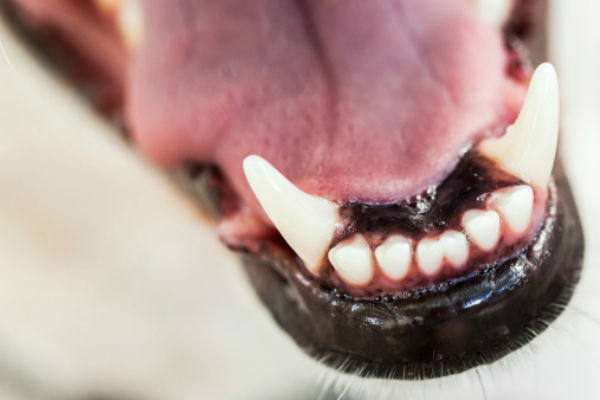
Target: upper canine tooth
[(130, 22), (306, 222), (352, 260), (529, 146)]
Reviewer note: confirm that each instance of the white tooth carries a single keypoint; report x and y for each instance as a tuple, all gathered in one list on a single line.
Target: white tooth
[(456, 247), (529, 146), (306, 222), (430, 253), (131, 22), (483, 227), (393, 256), (515, 205), (494, 12), (352, 260)]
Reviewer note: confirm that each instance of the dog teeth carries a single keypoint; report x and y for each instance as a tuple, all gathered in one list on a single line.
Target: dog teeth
[(456, 247), (394, 256), (483, 227), (352, 260), (515, 205), (528, 147), (430, 253), (130, 21), (306, 222), (494, 12)]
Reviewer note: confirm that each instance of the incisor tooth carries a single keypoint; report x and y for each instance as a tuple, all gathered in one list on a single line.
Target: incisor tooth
[(393, 256), (515, 205), (352, 260), (430, 253), (529, 146), (306, 222), (483, 227), (456, 247)]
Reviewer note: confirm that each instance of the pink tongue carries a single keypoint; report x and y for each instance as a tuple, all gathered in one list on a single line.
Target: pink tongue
[(351, 100)]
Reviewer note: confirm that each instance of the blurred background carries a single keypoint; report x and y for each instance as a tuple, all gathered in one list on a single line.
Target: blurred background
[(113, 286)]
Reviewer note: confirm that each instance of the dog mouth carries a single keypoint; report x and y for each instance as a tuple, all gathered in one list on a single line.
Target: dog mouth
[(384, 169)]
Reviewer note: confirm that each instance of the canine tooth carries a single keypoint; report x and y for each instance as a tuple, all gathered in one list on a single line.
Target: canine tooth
[(494, 12), (306, 222), (529, 146), (352, 260), (456, 247), (393, 256), (515, 205), (130, 21), (430, 253), (483, 227)]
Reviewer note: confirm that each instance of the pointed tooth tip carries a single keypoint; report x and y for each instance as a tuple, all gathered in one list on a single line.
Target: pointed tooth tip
[(528, 148), (305, 221)]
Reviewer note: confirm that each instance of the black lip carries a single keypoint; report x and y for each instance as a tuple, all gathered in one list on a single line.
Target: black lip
[(457, 326)]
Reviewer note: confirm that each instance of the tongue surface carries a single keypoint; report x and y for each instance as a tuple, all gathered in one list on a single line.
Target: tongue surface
[(351, 100)]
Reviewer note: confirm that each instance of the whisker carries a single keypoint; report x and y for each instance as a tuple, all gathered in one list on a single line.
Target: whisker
[(481, 384), (5, 56), (343, 393)]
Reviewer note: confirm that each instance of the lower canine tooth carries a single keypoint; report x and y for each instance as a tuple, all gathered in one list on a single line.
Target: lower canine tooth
[(306, 222), (393, 256), (456, 247), (528, 147), (430, 253), (352, 260), (483, 227), (515, 205)]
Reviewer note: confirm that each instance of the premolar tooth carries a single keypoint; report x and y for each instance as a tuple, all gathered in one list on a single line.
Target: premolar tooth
[(393, 256), (456, 247), (483, 227), (430, 253), (529, 146), (306, 222), (352, 260), (515, 205)]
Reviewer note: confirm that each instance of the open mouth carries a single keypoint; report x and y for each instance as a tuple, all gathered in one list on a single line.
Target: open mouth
[(383, 168)]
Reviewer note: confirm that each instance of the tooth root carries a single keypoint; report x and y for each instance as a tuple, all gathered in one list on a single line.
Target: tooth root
[(483, 227), (515, 205), (394, 256), (528, 148), (352, 260), (306, 222), (430, 253), (456, 247)]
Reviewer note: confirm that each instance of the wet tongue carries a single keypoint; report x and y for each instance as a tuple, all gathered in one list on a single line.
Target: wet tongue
[(351, 100)]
